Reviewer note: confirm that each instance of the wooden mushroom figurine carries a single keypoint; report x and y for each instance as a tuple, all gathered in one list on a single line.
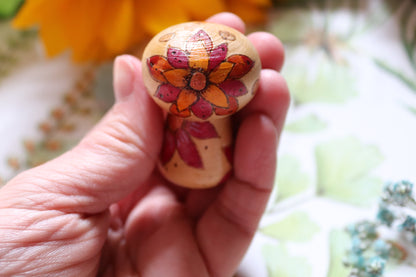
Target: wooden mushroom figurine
[(200, 73)]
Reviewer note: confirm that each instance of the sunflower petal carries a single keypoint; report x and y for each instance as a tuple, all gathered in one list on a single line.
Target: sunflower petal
[(242, 65), (176, 77), (157, 66), (215, 96), (233, 88), (168, 148), (202, 109), (217, 55), (31, 13), (210, 7), (200, 130), (117, 28), (80, 22), (167, 93), (177, 58), (185, 99), (157, 15), (220, 73), (187, 149)]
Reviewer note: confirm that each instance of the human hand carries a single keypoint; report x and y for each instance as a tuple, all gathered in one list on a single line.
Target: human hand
[(101, 209)]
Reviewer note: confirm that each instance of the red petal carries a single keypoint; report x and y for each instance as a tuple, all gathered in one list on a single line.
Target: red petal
[(230, 110), (177, 58), (187, 149), (217, 56), (243, 65), (167, 93), (202, 109), (233, 88), (201, 130), (168, 148), (201, 35), (157, 65)]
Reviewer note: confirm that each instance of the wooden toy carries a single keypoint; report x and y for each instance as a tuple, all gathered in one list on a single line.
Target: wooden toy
[(200, 73)]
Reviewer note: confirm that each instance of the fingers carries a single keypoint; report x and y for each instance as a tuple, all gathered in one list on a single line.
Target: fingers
[(226, 229), (228, 19), (272, 98), (110, 162), (270, 49)]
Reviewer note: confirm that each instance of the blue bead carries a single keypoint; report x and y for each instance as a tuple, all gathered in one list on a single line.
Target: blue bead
[(375, 265), (385, 215), (398, 193), (382, 248), (357, 245), (409, 224)]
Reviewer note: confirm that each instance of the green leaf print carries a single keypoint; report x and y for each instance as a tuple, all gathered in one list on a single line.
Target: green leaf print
[(291, 26), (328, 82), (280, 263), (307, 124), (343, 168), (339, 242), (290, 179), (297, 227)]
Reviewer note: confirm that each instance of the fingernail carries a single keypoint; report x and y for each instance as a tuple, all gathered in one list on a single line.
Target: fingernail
[(123, 78)]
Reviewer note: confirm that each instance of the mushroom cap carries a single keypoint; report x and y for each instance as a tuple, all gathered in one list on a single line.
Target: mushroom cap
[(201, 70)]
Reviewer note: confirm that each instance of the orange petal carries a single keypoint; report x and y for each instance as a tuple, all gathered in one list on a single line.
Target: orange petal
[(174, 110), (220, 73), (117, 28), (51, 32), (157, 15), (185, 99), (215, 96), (31, 13), (202, 9), (176, 77), (198, 57), (81, 20)]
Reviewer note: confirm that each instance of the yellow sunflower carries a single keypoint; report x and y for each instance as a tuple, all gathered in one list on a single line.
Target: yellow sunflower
[(97, 30)]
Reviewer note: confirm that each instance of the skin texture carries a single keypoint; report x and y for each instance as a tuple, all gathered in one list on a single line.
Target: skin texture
[(100, 209)]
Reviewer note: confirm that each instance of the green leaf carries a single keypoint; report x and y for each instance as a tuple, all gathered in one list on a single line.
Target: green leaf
[(308, 124), (290, 180), (296, 227), (339, 242), (344, 166), (328, 82), (291, 25), (280, 263), (8, 8), (398, 74), (411, 109)]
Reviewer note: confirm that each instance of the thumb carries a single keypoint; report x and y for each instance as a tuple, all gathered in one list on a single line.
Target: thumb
[(118, 155)]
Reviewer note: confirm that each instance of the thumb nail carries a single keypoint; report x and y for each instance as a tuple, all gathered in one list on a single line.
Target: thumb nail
[(123, 77)]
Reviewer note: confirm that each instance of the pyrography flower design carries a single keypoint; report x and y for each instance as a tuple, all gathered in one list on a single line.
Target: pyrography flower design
[(201, 78), (178, 137)]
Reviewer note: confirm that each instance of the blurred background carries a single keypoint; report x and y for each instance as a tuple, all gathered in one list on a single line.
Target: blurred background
[(339, 207)]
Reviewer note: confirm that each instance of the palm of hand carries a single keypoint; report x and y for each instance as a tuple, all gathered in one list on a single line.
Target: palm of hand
[(91, 210)]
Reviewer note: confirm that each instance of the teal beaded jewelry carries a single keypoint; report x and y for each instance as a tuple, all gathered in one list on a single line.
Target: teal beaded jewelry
[(369, 253)]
